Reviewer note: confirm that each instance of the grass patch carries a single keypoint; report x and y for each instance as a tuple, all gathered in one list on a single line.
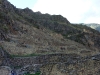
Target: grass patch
[(28, 55), (33, 54), (37, 73), (17, 67)]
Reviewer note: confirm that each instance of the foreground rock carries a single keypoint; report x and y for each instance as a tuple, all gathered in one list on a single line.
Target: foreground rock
[(5, 70)]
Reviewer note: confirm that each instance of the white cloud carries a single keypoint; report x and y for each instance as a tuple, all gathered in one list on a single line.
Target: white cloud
[(93, 19), (74, 10)]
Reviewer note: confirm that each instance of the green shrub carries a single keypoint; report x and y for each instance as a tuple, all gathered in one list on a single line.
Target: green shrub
[(37, 73), (5, 28), (28, 55)]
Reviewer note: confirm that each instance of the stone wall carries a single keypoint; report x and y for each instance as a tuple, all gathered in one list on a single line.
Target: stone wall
[(45, 59)]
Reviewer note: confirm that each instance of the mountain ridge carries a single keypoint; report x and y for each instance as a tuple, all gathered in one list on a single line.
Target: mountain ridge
[(94, 26)]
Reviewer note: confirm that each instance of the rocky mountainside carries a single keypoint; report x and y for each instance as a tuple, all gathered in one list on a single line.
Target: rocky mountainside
[(12, 16), (35, 42)]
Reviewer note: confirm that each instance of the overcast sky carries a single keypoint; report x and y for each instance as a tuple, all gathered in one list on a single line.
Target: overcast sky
[(76, 11)]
